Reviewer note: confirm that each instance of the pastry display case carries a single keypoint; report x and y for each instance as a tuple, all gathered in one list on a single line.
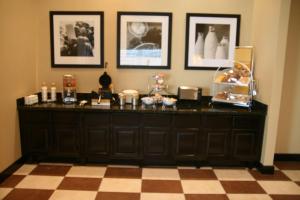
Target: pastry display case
[(234, 85)]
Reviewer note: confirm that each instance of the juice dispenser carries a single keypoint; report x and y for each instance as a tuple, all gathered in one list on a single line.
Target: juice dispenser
[(69, 89)]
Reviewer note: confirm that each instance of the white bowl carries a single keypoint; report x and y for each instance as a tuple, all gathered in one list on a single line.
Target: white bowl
[(169, 101), (147, 100)]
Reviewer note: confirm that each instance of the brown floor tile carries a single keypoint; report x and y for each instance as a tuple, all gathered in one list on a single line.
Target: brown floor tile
[(117, 196), (51, 170), (242, 187), (116, 172), (206, 197), (162, 186), (74, 183), (12, 181), (29, 194), (197, 174), (285, 197), (277, 176), (287, 165)]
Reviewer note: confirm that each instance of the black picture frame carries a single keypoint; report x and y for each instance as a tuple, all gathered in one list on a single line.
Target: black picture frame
[(197, 29), (77, 39), (144, 40)]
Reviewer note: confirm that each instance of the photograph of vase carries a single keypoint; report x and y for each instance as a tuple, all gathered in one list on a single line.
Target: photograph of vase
[(220, 52), (210, 43), (225, 43), (199, 45), (211, 40)]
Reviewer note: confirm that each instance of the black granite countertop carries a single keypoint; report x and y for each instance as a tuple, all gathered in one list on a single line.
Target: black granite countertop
[(181, 107)]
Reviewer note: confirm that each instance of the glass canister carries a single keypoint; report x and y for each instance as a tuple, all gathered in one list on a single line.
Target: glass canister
[(69, 89)]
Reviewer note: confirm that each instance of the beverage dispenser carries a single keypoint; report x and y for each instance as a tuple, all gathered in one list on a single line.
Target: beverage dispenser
[(69, 89)]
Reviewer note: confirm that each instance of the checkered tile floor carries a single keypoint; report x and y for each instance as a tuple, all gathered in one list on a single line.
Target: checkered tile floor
[(62, 181)]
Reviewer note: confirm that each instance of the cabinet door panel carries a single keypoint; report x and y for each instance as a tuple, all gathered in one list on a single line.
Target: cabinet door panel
[(67, 141), (156, 141), (66, 118), (246, 122), (37, 138), (187, 121), (217, 122), (97, 140), (217, 143), (125, 119), (156, 120), (126, 142), (186, 143), (245, 145)]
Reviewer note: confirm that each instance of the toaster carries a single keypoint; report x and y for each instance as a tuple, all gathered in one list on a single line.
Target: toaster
[(189, 93)]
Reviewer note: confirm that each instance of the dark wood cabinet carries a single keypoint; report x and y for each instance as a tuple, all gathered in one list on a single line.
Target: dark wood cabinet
[(97, 141), (186, 136), (36, 138), (156, 143), (35, 133), (217, 133), (66, 134), (217, 144), (186, 144), (213, 137), (96, 136), (244, 145), (126, 139), (156, 133), (126, 142), (66, 140), (246, 136)]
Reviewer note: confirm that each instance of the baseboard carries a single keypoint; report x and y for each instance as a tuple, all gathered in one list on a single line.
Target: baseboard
[(265, 169), (11, 169), (286, 157)]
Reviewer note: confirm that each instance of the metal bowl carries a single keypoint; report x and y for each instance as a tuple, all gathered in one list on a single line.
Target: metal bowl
[(169, 101)]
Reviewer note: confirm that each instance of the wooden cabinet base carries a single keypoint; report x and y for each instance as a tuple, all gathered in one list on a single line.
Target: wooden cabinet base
[(50, 134)]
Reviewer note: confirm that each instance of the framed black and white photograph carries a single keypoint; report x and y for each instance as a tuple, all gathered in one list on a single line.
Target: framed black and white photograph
[(77, 39), (144, 40), (211, 40)]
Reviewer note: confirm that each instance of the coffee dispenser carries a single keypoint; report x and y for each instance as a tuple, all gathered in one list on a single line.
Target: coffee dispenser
[(69, 89)]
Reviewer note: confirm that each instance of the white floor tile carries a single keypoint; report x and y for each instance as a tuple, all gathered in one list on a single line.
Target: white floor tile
[(4, 192), (120, 185), (161, 196), (292, 174), (40, 182), (83, 171), (280, 187), (249, 197), (73, 195), (160, 174), (25, 169), (202, 187), (232, 174)]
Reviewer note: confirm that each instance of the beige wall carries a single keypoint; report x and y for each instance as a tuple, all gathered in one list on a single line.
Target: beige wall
[(270, 25), (289, 127), (137, 78), (17, 77), (25, 55)]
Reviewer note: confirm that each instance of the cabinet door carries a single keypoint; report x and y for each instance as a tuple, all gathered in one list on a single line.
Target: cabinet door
[(36, 138), (66, 129), (126, 142), (156, 142), (97, 141), (186, 143), (66, 140), (217, 144), (96, 135), (35, 132), (245, 144)]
